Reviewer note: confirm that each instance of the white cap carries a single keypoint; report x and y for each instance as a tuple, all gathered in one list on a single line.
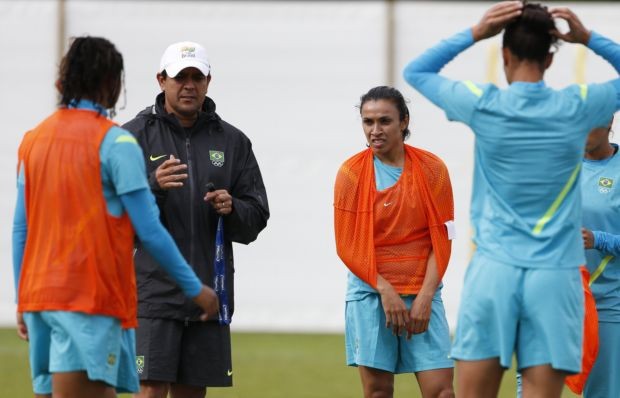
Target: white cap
[(185, 54)]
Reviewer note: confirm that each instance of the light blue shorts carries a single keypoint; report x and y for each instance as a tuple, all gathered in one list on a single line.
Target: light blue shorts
[(535, 313), (604, 380), (369, 343), (63, 341)]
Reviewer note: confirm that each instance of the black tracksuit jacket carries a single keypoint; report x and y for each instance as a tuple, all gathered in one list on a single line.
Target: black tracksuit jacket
[(190, 220)]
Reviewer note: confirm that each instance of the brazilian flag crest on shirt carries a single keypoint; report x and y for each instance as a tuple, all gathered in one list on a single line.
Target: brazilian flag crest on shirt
[(217, 158), (605, 184), (140, 363)]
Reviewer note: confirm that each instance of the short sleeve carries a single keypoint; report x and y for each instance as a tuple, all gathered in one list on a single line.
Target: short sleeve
[(123, 162)]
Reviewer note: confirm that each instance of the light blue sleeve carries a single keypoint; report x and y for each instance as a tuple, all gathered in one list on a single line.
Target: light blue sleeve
[(610, 51), (142, 210), (606, 48), (607, 243), (122, 161), (457, 99), (601, 101), (20, 231)]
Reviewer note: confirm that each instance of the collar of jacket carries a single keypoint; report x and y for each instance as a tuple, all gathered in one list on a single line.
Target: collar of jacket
[(206, 114)]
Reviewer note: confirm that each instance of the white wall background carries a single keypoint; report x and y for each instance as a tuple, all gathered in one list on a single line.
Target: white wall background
[(288, 74)]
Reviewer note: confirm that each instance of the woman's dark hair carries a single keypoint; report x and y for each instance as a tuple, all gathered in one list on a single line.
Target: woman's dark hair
[(390, 94), (528, 37), (92, 69)]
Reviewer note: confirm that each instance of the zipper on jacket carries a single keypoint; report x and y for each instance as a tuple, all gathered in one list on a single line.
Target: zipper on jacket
[(190, 173)]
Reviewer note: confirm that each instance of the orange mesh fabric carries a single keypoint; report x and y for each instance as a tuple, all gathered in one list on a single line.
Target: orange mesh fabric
[(396, 242), (401, 235), (77, 256), (590, 338)]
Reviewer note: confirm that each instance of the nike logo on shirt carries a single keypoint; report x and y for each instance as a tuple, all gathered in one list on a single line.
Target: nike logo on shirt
[(387, 204), (154, 158)]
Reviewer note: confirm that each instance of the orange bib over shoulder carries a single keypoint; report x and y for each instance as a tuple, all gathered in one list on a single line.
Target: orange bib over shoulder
[(77, 256), (392, 232)]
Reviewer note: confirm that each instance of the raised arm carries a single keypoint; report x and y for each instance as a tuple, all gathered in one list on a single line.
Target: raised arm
[(602, 46), (607, 243), (606, 48), (578, 33), (422, 72)]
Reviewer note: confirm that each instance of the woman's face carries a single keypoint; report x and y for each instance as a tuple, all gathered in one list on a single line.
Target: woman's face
[(383, 127)]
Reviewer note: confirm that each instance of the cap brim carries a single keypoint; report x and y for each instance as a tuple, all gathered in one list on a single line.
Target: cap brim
[(173, 69)]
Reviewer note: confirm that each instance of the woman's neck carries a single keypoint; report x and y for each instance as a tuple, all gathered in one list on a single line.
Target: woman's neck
[(395, 158)]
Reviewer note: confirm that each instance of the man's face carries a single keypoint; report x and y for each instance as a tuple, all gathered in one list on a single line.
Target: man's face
[(185, 93)]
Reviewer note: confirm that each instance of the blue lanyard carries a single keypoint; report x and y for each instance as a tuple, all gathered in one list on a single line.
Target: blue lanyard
[(219, 282)]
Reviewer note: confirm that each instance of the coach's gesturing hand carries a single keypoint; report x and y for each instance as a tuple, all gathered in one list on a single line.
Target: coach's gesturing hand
[(171, 173), (396, 313)]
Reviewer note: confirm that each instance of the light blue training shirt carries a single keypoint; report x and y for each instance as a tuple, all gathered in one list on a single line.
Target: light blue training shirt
[(125, 187), (600, 187), (526, 203)]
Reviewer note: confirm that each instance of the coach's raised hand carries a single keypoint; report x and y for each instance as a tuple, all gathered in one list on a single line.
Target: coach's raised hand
[(171, 173), (496, 18)]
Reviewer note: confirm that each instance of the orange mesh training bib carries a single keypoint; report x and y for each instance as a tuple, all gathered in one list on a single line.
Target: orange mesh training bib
[(368, 240), (77, 257), (401, 235)]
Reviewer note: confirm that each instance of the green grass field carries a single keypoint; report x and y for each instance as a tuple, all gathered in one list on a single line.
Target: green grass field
[(266, 366)]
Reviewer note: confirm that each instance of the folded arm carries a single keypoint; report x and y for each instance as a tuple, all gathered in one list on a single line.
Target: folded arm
[(250, 209), (607, 243)]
